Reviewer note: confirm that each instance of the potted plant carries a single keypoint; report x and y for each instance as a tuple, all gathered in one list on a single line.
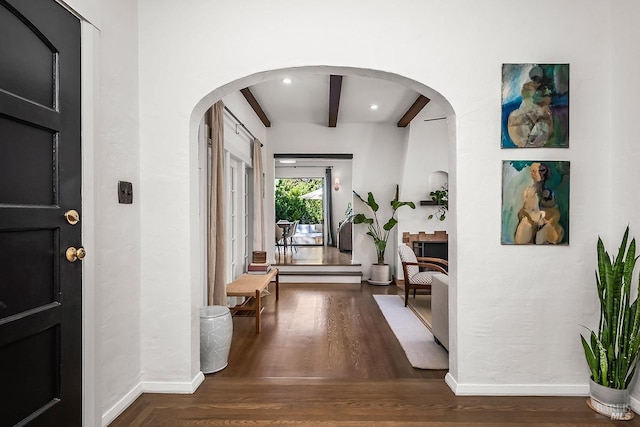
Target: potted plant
[(441, 198), (612, 350), (379, 234)]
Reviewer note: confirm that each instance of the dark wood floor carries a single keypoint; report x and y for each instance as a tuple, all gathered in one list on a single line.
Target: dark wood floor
[(311, 255), (326, 357)]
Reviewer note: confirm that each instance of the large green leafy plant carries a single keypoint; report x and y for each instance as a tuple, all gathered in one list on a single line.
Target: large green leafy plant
[(379, 234), (612, 350)]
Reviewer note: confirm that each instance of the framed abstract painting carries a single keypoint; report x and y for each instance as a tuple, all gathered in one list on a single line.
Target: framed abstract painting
[(535, 202), (535, 106)]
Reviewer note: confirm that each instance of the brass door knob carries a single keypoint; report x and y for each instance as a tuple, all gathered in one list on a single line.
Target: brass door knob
[(74, 254), (72, 216)]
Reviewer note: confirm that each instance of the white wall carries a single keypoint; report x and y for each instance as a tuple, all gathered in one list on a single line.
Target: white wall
[(516, 310), (625, 173), (117, 236), (375, 149), (344, 171), (243, 111), (623, 195), (527, 303), (427, 153)]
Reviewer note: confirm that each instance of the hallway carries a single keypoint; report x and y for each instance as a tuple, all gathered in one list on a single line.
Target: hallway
[(327, 357), (320, 331)]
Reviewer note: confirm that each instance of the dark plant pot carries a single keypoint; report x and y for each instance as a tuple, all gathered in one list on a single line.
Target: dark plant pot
[(613, 403)]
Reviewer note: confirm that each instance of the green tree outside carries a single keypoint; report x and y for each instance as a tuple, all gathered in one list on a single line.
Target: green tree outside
[(289, 205)]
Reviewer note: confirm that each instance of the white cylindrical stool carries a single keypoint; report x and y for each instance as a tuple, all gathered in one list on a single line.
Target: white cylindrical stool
[(216, 330)]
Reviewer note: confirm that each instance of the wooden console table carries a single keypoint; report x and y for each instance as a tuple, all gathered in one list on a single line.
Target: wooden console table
[(252, 286)]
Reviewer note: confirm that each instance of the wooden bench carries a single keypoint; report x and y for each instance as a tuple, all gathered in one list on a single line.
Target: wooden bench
[(252, 286)]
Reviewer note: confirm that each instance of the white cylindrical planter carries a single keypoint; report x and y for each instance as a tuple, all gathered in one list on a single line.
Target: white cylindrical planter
[(379, 274), (613, 403), (216, 331)]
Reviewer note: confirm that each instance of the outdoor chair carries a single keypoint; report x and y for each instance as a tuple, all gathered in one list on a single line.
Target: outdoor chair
[(289, 235), (279, 237)]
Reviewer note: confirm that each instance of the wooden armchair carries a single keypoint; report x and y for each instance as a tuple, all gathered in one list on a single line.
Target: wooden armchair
[(413, 277)]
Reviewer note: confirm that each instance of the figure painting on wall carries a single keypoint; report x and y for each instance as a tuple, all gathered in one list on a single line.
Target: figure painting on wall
[(535, 105), (535, 202)]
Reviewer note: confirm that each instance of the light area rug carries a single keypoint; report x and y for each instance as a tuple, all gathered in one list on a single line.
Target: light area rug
[(414, 337), (421, 306)]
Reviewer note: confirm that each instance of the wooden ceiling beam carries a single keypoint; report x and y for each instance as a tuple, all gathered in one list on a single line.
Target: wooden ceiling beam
[(413, 111), (256, 106), (335, 87)]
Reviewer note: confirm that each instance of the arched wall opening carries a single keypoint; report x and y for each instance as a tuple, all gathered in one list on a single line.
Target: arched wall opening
[(198, 235), (512, 303)]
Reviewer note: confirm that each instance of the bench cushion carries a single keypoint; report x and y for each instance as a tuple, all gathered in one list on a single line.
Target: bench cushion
[(248, 284)]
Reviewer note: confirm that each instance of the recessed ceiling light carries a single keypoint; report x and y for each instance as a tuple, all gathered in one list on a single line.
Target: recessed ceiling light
[(373, 106), (286, 80), (287, 161)]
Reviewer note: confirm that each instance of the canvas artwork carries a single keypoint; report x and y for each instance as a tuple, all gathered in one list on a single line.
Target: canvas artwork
[(535, 106), (535, 202)]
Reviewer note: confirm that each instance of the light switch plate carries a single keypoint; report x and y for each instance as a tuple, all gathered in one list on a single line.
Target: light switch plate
[(125, 192)]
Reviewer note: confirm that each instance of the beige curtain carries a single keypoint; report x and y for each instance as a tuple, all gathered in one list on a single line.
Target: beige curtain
[(258, 197), (217, 277)]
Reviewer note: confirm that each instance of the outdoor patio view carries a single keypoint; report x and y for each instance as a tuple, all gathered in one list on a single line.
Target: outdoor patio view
[(299, 211)]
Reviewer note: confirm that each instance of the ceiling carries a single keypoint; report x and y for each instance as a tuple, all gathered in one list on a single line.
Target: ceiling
[(330, 100)]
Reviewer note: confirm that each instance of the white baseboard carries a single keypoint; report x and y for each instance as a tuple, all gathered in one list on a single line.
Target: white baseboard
[(516, 389), (173, 387), (635, 404), (319, 279), (121, 405), (151, 387), (451, 382)]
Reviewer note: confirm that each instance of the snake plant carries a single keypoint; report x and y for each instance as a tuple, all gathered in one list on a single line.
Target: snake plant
[(379, 234), (612, 350)]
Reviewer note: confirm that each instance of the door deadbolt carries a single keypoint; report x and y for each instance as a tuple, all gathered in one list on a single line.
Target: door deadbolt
[(72, 216), (74, 254)]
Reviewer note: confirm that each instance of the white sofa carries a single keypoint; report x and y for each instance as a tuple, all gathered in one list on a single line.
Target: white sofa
[(440, 309)]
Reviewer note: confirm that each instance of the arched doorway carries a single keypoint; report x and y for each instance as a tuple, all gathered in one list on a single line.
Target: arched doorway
[(445, 110)]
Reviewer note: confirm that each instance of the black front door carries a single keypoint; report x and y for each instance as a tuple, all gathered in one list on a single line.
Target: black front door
[(40, 180)]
